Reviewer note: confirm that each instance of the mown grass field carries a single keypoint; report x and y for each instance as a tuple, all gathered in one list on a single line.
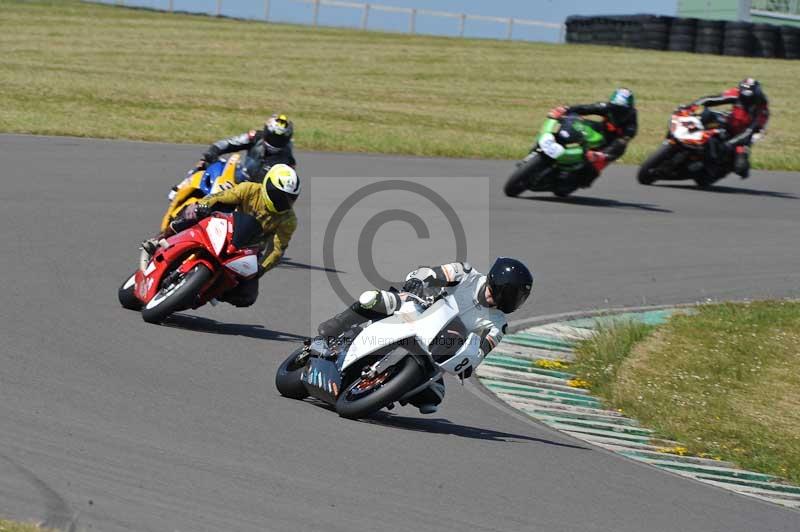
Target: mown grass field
[(74, 68), (724, 381), (13, 526)]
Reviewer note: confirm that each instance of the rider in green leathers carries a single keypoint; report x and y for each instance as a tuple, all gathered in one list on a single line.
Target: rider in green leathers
[(619, 126)]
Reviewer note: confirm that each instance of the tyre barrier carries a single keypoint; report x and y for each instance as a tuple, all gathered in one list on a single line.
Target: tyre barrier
[(682, 35), (765, 40), (709, 37), (738, 39), (789, 43), (676, 34)]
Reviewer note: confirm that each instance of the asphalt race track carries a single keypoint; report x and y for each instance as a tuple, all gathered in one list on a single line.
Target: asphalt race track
[(108, 424)]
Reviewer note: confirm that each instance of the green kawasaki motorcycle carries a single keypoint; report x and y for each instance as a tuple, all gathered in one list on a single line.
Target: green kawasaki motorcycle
[(560, 147)]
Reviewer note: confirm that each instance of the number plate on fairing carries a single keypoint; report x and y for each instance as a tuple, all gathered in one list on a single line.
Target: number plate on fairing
[(468, 356), (550, 147)]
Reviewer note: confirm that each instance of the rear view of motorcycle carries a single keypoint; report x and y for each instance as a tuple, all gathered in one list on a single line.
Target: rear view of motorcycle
[(560, 150), (692, 150), (218, 176), (365, 370)]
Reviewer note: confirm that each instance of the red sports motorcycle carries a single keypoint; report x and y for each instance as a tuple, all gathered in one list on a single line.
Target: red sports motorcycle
[(194, 266)]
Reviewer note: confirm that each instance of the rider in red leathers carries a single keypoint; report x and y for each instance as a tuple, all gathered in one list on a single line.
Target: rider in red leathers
[(747, 117)]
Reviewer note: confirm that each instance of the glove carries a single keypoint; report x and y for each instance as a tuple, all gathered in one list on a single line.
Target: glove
[(597, 159), (557, 112), (202, 211), (211, 154), (196, 211), (414, 286)]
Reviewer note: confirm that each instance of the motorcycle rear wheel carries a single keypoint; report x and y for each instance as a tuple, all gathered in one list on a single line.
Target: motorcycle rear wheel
[(125, 294), (287, 378), (176, 297), (518, 181), (705, 181), (403, 377), (646, 175)]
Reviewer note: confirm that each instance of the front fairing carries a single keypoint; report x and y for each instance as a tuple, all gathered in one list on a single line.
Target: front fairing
[(322, 378), (581, 136), (201, 242), (406, 324)]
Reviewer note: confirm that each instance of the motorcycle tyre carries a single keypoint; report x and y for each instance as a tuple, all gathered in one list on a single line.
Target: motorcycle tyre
[(125, 294), (182, 297), (287, 380), (645, 176), (518, 182), (409, 376)]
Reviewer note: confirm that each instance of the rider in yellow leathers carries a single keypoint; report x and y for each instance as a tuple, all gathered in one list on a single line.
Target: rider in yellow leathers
[(270, 203)]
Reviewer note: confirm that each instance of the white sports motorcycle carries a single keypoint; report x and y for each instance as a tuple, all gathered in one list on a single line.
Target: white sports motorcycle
[(389, 361)]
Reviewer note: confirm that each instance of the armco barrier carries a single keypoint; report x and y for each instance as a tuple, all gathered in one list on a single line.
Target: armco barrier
[(734, 38)]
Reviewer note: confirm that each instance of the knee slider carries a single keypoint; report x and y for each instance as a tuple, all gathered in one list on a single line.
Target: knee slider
[(369, 299)]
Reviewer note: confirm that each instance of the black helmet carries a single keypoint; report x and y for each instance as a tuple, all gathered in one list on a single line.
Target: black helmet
[(510, 282), (278, 131), (622, 104), (750, 92)]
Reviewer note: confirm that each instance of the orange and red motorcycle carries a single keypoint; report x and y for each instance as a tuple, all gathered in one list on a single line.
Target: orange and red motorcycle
[(688, 152)]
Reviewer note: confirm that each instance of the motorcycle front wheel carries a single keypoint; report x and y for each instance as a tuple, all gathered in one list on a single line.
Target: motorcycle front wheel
[(125, 294), (287, 379), (177, 295), (518, 181), (646, 175), (365, 396)]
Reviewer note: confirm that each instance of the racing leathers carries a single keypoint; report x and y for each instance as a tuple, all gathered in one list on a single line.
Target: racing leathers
[(260, 155), (617, 131), (741, 124), (467, 285), (276, 231)]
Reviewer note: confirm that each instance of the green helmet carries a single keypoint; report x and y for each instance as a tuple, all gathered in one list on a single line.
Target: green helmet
[(622, 104), (622, 97)]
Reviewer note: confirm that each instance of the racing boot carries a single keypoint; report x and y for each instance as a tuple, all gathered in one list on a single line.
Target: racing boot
[(342, 322), (565, 184), (429, 399), (150, 245), (741, 163), (372, 305)]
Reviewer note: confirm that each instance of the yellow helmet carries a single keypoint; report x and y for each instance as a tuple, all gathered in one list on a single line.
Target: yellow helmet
[(281, 187)]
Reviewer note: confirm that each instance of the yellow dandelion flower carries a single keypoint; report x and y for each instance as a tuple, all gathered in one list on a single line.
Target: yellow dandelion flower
[(578, 383), (550, 364), (680, 451)]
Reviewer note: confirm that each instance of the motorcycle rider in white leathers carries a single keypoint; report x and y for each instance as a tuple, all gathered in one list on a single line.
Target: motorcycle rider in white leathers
[(483, 302)]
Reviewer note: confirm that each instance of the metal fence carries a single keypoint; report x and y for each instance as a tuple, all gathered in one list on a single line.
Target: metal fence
[(786, 8), (460, 19)]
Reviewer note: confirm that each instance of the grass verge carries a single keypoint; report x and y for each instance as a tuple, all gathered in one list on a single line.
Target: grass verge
[(599, 357), (724, 381), (13, 526), (83, 69)]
